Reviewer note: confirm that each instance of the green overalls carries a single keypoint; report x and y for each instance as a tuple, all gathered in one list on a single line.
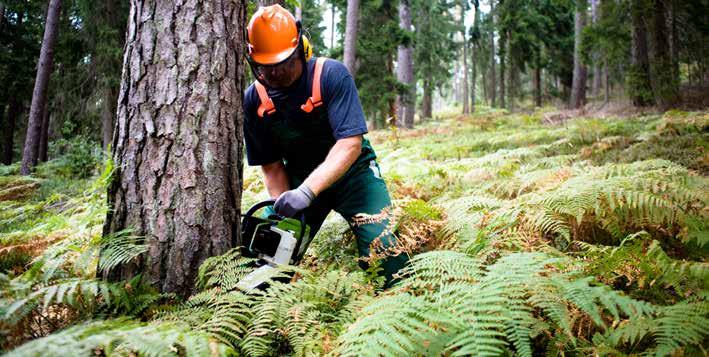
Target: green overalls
[(304, 145)]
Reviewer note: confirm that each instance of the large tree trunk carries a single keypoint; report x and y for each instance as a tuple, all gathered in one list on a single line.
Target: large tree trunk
[(178, 141), (405, 102), (665, 84), (639, 72), (13, 111), (39, 95), (350, 54), (578, 86), (44, 135)]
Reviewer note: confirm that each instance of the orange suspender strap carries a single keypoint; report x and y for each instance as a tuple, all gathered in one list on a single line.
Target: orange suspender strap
[(266, 106), (315, 99)]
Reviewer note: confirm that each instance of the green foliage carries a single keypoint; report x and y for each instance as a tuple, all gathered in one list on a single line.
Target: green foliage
[(553, 241), (124, 337), (452, 303)]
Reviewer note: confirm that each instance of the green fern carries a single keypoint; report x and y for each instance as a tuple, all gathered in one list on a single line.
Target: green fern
[(124, 337), (440, 309)]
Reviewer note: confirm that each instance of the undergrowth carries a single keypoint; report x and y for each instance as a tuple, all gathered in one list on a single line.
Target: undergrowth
[(587, 237)]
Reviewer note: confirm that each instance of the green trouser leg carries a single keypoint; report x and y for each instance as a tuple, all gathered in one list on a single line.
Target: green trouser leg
[(363, 191)]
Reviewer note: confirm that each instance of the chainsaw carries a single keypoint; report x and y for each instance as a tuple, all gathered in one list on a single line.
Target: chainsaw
[(275, 241)]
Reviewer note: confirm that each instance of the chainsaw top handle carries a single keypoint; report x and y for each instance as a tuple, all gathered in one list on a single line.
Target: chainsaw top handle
[(271, 202)]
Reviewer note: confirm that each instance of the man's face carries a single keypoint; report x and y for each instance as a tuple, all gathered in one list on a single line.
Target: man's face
[(281, 75)]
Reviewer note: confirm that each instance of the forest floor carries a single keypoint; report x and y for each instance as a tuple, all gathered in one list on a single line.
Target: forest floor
[(582, 234)]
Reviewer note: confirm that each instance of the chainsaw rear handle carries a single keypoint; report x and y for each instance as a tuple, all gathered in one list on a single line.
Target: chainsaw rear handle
[(271, 202)]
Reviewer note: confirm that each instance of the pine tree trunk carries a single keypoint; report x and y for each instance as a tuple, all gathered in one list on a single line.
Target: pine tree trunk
[(107, 112), (597, 75), (578, 86), (473, 75), (427, 100), (511, 73), (503, 67), (405, 72), (178, 142), (607, 87), (466, 109), (2, 16), (350, 54), (639, 71), (44, 135), (13, 111), (664, 84), (493, 80), (39, 95), (537, 82)]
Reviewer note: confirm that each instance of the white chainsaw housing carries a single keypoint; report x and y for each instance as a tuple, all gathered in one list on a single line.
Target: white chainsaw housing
[(284, 253)]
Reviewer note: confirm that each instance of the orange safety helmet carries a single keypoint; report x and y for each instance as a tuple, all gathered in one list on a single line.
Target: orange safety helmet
[(273, 35)]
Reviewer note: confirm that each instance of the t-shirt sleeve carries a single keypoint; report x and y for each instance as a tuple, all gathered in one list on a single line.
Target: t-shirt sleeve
[(260, 147), (342, 101)]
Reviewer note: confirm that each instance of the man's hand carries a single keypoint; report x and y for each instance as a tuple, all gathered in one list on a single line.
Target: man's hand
[(291, 202)]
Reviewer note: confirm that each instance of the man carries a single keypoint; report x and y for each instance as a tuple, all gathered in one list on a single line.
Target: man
[(304, 126)]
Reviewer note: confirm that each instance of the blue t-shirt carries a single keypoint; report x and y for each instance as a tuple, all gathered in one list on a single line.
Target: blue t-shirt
[(339, 96)]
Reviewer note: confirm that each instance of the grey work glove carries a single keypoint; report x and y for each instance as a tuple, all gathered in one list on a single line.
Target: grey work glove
[(291, 202)]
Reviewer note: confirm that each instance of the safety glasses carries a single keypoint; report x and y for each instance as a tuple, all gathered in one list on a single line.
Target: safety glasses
[(277, 75)]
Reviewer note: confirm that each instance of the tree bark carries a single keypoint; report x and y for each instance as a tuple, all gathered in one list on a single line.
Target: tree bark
[(178, 142), (405, 102), (665, 85), (578, 86), (639, 72), (350, 54), (44, 135), (39, 95)]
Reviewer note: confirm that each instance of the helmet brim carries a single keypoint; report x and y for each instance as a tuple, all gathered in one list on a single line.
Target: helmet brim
[(273, 58)]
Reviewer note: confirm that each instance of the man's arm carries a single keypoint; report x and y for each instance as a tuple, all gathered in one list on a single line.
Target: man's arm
[(275, 178), (339, 159)]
